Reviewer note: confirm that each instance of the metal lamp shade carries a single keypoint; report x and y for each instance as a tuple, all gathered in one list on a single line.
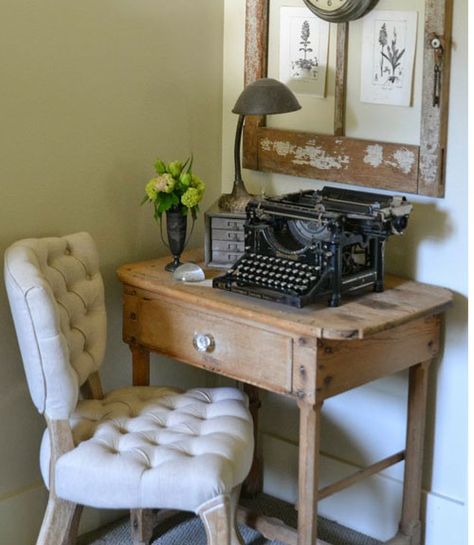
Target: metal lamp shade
[(264, 97)]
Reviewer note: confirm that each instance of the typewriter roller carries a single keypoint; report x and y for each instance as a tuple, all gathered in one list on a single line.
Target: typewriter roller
[(303, 246)]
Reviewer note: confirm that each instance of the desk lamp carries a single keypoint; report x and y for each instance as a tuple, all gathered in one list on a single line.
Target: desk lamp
[(262, 97)]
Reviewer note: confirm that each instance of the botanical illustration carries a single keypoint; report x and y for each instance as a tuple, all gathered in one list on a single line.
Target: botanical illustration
[(307, 64), (388, 55), (304, 40), (391, 53)]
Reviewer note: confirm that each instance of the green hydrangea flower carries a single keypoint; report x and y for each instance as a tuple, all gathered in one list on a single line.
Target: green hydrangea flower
[(185, 179), (191, 197), (165, 183), (174, 187), (175, 168), (197, 183), (150, 189)]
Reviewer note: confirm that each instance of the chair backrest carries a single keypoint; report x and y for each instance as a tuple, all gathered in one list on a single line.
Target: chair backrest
[(56, 297)]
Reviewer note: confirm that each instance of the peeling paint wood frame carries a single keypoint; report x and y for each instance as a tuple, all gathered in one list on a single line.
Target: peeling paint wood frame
[(369, 163), (341, 79), (434, 120)]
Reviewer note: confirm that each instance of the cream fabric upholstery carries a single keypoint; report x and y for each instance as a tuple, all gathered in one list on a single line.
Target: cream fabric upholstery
[(138, 447), (57, 300), (147, 447)]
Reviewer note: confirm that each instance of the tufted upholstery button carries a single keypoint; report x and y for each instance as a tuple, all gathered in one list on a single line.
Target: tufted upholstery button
[(67, 251)]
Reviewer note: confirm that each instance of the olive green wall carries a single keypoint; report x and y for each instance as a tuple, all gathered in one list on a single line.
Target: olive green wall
[(90, 93)]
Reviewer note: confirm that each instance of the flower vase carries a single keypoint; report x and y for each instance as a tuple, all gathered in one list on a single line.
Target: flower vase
[(176, 225)]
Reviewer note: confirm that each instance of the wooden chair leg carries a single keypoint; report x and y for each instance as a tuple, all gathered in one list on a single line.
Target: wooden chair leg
[(58, 522), (142, 525), (74, 529), (235, 536), (216, 516)]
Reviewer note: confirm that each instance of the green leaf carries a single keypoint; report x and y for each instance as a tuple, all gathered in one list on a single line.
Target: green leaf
[(144, 200), (174, 199), (190, 166), (164, 202), (185, 163)]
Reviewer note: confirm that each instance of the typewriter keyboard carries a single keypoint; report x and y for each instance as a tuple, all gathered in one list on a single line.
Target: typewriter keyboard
[(268, 277)]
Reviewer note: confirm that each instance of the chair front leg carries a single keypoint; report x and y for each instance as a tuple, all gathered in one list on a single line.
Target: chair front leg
[(74, 529), (142, 524), (216, 515), (235, 536)]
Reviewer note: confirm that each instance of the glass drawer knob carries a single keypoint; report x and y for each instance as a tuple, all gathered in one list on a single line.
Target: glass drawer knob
[(203, 342)]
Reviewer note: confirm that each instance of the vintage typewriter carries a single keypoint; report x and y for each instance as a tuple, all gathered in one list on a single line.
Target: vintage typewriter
[(306, 245)]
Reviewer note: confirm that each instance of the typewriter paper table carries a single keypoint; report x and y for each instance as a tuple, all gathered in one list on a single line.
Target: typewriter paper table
[(309, 354)]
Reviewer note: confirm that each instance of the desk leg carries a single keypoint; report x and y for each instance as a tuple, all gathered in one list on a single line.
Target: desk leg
[(308, 472), (417, 395), (254, 482), (141, 365), (142, 520), (410, 524)]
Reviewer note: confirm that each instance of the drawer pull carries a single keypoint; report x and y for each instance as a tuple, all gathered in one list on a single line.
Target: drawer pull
[(203, 342)]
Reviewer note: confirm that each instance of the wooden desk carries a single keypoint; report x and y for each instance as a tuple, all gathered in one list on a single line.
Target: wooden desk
[(309, 354)]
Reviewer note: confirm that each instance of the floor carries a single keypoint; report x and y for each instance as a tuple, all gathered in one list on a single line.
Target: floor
[(186, 529)]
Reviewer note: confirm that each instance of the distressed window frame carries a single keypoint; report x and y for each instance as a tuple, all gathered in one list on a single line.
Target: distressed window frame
[(274, 150)]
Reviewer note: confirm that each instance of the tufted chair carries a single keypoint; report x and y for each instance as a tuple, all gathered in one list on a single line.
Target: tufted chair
[(137, 448)]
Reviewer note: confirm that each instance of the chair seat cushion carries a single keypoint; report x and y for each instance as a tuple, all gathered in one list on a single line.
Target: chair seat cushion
[(151, 447)]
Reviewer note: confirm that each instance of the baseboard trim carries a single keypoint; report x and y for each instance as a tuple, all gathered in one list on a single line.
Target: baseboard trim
[(22, 510)]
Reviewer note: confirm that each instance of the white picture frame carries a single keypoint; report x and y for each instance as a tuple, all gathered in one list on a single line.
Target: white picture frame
[(388, 57)]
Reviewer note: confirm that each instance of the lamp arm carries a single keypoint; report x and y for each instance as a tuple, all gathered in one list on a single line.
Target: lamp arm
[(238, 141), (238, 199)]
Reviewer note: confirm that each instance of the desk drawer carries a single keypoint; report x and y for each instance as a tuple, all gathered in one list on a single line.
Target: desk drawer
[(239, 350)]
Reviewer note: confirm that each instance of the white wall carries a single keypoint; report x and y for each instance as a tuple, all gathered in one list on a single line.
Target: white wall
[(91, 92), (369, 423)]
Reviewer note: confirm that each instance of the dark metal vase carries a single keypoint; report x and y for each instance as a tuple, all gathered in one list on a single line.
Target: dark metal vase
[(176, 225)]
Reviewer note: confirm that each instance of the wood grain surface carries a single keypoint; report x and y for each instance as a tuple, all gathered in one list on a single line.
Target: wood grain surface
[(369, 163), (357, 317)]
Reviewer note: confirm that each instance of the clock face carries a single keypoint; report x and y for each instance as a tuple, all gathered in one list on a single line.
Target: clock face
[(339, 11)]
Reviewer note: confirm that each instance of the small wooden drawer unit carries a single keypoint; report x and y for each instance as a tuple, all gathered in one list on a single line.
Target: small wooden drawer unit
[(224, 237)]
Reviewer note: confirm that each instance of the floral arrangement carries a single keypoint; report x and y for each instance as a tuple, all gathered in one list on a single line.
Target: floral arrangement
[(175, 188)]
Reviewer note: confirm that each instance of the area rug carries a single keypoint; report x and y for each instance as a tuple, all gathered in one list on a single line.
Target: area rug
[(186, 529)]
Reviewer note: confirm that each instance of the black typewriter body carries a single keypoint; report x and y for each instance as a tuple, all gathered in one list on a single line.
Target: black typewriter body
[(303, 246)]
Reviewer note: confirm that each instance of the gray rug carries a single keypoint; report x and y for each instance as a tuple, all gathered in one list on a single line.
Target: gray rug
[(186, 529)]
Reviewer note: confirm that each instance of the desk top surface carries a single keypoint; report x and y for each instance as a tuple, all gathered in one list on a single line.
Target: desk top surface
[(356, 318)]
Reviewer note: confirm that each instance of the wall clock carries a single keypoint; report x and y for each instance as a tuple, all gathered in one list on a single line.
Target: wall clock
[(340, 11)]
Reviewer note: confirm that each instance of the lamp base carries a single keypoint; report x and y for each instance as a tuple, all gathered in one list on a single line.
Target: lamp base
[(235, 201)]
